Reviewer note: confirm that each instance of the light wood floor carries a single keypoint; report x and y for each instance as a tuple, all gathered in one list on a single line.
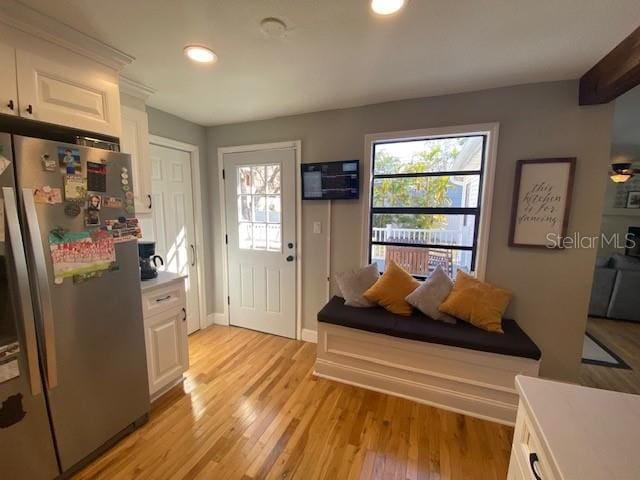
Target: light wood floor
[(252, 409), (623, 338)]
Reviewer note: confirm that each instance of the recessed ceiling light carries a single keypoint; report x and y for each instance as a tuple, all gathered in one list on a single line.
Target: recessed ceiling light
[(273, 27), (386, 7), (200, 54)]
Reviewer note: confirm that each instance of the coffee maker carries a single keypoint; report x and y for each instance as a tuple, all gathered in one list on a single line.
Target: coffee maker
[(148, 260)]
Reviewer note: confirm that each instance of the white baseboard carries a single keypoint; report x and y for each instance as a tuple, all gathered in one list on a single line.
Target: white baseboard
[(217, 319), (310, 336)]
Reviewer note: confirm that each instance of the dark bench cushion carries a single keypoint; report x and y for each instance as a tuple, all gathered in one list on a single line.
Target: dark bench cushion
[(512, 342)]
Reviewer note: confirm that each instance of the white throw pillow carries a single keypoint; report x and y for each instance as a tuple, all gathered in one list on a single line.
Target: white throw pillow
[(354, 283), (430, 295)]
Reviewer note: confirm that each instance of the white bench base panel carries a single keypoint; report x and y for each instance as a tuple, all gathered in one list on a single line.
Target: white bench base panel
[(470, 382)]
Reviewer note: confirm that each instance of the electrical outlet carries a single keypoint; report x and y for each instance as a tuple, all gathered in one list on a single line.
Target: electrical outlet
[(317, 227)]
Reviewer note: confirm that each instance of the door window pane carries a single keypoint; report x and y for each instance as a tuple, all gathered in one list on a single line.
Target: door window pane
[(273, 178), (259, 214), (274, 242), (244, 179), (259, 236), (273, 209), (244, 208), (259, 179), (245, 235), (259, 209)]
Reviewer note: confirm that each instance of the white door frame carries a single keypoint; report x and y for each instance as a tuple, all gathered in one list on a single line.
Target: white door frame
[(297, 146), (198, 214)]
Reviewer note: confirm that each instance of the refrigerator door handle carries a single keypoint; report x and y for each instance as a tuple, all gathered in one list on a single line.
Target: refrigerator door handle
[(44, 292), (24, 292)]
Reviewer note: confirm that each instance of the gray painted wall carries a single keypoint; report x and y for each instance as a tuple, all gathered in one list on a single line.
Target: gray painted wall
[(169, 126), (551, 288)]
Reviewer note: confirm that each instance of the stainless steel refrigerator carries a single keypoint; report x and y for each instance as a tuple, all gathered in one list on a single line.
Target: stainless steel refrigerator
[(73, 373)]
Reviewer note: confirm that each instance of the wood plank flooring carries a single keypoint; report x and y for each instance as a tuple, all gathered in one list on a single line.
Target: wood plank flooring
[(624, 339), (250, 408)]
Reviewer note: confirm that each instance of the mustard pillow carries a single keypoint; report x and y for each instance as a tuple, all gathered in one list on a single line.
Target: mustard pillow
[(391, 289), (476, 302)]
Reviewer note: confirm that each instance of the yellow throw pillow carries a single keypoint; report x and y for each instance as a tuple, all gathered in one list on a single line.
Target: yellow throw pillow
[(391, 289), (476, 302)]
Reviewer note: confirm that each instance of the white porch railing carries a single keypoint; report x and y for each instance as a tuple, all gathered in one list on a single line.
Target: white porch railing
[(415, 235)]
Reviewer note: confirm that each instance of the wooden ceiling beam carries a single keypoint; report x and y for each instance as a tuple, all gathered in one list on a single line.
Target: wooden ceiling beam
[(617, 73)]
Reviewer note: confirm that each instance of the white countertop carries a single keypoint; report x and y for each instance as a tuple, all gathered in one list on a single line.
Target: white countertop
[(591, 433), (163, 278)]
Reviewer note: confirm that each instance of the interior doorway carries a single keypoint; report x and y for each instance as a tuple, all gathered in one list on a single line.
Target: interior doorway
[(611, 349)]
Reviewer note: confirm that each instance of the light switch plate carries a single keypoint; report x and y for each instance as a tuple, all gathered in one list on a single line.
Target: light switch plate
[(317, 227)]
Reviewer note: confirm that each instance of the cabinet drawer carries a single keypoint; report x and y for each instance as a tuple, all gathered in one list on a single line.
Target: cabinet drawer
[(529, 452), (163, 298)]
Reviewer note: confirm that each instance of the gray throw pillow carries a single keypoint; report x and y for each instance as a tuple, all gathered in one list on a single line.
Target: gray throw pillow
[(354, 283), (430, 295)]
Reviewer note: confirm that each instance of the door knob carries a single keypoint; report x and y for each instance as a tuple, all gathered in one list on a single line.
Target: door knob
[(30, 109), (290, 258), (290, 245), (11, 105)]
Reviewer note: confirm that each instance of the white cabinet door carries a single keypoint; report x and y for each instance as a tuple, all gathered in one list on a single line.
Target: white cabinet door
[(70, 92), (167, 349), (8, 80), (135, 141)]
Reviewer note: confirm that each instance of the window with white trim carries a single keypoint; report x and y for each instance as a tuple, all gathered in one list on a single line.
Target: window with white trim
[(426, 202)]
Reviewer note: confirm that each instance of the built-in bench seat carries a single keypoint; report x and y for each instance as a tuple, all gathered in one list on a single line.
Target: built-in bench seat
[(453, 366), (420, 327)]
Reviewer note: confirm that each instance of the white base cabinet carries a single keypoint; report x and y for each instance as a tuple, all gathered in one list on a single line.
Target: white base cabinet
[(165, 332), (568, 432)]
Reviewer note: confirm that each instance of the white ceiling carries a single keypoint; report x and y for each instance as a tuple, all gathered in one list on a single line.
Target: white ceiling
[(336, 54)]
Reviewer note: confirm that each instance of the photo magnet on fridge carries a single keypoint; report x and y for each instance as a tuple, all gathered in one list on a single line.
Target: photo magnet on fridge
[(112, 202), (48, 164), (69, 160), (94, 202), (96, 177), (47, 195), (92, 218), (75, 187)]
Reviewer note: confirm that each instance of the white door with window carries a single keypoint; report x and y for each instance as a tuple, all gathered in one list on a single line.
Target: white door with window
[(173, 220), (261, 240)]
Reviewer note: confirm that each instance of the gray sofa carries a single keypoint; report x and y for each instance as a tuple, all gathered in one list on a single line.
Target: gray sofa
[(616, 288)]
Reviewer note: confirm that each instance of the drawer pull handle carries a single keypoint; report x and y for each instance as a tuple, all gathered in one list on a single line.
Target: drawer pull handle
[(162, 299), (184, 313), (533, 461)]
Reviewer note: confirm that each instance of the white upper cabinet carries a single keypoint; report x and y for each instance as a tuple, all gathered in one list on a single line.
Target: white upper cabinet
[(135, 141), (8, 85), (68, 90)]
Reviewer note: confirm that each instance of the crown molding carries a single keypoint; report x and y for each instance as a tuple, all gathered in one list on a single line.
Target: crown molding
[(21, 17), (135, 89)]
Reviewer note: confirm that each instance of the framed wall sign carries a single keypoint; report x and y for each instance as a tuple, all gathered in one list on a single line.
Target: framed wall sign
[(541, 202)]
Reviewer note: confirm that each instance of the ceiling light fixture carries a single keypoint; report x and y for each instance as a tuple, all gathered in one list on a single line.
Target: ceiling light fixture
[(621, 169), (386, 7), (200, 54)]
